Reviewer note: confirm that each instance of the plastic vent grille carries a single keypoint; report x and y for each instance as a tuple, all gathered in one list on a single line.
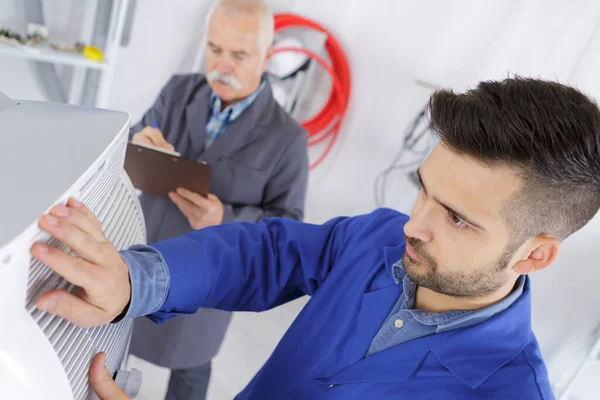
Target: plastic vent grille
[(111, 197)]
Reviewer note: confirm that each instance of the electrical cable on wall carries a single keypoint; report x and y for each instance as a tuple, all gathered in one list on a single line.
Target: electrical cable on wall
[(327, 123), (415, 132)]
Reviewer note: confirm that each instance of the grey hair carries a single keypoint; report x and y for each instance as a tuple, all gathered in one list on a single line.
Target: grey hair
[(259, 7)]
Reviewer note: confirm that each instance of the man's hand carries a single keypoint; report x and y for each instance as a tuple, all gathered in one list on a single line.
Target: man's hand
[(97, 268), (200, 211), (153, 137), (102, 382)]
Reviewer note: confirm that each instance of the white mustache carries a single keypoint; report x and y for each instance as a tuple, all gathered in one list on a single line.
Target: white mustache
[(227, 79)]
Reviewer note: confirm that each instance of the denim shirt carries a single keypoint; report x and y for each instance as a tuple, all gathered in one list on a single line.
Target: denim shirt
[(404, 323), (150, 280), (220, 120)]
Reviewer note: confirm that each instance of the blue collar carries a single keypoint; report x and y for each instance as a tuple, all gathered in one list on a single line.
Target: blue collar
[(452, 319), (462, 351)]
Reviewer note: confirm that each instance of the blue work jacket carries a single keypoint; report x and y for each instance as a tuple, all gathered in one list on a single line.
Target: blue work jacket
[(345, 266)]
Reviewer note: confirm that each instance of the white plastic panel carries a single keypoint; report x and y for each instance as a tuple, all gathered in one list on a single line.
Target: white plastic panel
[(114, 201), (79, 152)]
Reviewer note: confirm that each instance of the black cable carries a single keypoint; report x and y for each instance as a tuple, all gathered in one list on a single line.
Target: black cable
[(411, 139), (400, 167)]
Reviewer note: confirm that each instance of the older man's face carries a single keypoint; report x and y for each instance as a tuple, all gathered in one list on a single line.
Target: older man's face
[(234, 60)]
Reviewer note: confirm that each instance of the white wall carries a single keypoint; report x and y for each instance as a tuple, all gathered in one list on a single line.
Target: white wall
[(389, 44)]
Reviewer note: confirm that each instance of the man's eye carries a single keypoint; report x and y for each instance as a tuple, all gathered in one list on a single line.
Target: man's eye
[(457, 222)]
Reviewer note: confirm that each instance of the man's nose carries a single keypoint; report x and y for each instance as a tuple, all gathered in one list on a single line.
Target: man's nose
[(224, 67)]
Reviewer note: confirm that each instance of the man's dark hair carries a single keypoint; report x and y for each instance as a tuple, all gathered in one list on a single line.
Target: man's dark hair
[(549, 131)]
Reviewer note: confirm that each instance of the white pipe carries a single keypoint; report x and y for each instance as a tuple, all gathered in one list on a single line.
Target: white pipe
[(87, 31), (115, 32)]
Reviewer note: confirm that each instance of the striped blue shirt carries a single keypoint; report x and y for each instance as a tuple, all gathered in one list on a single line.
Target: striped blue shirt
[(220, 120)]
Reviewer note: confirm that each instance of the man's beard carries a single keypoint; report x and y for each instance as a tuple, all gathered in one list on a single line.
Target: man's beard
[(469, 285)]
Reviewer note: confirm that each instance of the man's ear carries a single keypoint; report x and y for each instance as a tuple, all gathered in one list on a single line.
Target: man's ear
[(542, 251), (267, 60)]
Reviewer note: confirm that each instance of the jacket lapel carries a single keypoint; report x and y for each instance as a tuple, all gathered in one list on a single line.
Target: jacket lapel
[(395, 364), (475, 353), (472, 354), (196, 117), (244, 130), (376, 304)]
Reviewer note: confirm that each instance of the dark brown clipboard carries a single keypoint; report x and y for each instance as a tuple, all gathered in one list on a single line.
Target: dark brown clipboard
[(157, 173)]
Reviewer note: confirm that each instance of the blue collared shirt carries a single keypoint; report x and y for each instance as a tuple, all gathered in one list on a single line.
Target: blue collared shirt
[(220, 120), (405, 323)]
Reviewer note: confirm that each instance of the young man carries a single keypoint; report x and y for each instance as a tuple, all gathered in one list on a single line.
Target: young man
[(230, 119), (435, 306)]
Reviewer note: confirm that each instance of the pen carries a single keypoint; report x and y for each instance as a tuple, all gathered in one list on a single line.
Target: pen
[(155, 124)]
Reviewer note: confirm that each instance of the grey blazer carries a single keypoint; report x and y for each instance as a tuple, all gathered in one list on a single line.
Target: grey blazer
[(259, 169)]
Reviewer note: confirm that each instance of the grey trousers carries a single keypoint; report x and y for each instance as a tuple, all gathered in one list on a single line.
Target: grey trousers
[(189, 383)]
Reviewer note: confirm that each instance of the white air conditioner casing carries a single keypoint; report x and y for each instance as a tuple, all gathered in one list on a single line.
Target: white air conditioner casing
[(48, 153)]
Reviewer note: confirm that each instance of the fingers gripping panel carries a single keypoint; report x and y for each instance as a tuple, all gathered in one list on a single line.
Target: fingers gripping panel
[(110, 196)]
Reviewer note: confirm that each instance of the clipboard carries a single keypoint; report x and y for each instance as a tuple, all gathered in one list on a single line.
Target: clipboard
[(157, 173)]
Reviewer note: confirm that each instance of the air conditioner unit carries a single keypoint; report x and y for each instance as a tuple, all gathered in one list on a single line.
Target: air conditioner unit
[(48, 153)]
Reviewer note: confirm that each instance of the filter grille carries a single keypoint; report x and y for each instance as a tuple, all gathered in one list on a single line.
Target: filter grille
[(111, 197)]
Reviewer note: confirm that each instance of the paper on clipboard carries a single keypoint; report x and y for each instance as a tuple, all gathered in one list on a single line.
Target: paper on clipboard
[(148, 146), (158, 172)]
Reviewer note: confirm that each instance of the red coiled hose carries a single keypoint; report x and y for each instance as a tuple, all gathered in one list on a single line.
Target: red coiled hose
[(326, 124)]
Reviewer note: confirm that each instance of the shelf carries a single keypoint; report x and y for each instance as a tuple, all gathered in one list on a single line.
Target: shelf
[(46, 53)]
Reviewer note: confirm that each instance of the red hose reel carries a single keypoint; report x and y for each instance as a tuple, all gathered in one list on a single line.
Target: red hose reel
[(326, 124)]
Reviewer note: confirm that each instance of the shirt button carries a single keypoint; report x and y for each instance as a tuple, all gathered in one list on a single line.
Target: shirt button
[(330, 386), (398, 323)]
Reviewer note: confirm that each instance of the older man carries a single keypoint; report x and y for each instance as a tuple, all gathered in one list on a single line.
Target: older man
[(230, 120)]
